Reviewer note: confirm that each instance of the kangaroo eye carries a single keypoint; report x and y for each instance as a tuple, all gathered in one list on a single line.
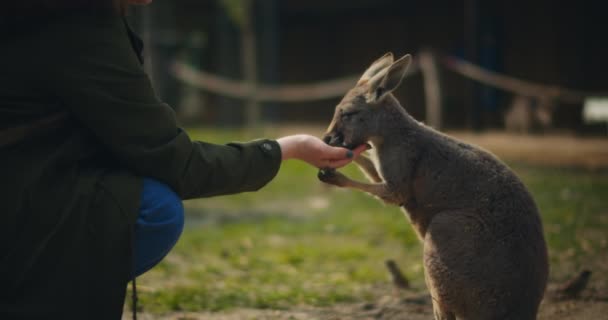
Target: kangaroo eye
[(348, 115)]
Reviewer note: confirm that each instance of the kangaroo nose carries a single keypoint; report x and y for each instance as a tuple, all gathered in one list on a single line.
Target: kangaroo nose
[(333, 139)]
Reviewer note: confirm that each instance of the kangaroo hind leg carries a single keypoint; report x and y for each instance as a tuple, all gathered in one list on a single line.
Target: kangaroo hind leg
[(441, 314)]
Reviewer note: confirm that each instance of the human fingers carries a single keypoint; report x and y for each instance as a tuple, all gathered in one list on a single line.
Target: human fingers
[(335, 164), (338, 163), (360, 149), (335, 153), (346, 155)]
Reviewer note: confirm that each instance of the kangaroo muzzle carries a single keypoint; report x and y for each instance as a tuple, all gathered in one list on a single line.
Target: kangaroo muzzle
[(335, 139)]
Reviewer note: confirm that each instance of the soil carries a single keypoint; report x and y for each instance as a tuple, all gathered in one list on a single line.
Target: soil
[(564, 150), (405, 304), (415, 303)]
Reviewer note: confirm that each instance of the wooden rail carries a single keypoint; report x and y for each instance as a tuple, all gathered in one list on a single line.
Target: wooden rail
[(274, 93), (514, 85), (428, 63)]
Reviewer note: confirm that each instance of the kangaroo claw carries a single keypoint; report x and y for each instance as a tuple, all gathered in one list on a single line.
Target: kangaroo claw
[(330, 176), (325, 174)]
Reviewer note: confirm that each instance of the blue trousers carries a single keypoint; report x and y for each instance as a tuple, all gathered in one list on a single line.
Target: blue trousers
[(159, 224)]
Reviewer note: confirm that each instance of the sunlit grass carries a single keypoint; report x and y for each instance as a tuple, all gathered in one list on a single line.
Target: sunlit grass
[(298, 242)]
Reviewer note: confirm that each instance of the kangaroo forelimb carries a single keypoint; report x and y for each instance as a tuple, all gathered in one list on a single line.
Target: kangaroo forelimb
[(380, 190), (368, 168)]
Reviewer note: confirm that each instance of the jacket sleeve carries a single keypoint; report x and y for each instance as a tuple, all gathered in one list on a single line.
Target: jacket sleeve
[(95, 73)]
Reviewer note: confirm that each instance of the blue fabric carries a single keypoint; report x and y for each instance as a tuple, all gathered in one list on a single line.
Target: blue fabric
[(159, 225)]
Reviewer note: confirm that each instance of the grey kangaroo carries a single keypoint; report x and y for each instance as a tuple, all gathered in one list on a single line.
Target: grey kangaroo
[(485, 255)]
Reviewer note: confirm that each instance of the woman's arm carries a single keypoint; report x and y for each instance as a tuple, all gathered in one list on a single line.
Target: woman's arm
[(90, 67), (93, 71)]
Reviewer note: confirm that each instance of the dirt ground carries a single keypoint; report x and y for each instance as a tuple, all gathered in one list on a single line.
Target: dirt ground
[(415, 304), (552, 150), (406, 305)]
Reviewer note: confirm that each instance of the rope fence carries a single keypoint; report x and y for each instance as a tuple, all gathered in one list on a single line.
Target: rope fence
[(427, 63), (512, 84), (268, 93)]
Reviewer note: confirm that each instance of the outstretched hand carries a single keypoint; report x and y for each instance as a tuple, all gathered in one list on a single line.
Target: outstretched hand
[(316, 152)]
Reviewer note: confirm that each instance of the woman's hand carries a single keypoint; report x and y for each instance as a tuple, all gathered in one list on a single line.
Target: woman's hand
[(316, 152)]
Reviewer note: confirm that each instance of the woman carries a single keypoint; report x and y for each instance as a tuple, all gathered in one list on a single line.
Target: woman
[(93, 167)]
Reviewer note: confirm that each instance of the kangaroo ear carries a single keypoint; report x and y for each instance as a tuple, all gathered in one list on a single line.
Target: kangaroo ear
[(387, 80), (377, 66)]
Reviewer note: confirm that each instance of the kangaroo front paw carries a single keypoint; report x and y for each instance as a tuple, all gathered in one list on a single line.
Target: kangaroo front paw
[(330, 176)]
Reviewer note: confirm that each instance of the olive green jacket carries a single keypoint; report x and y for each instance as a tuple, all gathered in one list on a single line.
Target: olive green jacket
[(79, 126)]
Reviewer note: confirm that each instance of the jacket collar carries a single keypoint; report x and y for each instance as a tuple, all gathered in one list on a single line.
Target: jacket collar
[(136, 42)]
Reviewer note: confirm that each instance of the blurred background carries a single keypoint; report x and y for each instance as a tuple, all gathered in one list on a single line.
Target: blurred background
[(523, 79), (296, 42)]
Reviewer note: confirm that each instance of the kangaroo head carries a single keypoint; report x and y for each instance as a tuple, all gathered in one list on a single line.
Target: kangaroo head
[(362, 112)]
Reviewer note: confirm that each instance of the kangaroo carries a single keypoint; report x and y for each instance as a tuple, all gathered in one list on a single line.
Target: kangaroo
[(484, 251)]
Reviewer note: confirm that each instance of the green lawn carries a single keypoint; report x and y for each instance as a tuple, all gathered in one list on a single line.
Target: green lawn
[(299, 242)]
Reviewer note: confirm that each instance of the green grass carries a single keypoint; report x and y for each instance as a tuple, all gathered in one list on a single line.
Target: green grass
[(298, 242), (574, 208)]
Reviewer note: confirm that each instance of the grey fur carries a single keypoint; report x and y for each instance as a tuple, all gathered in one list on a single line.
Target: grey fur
[(485, 255)]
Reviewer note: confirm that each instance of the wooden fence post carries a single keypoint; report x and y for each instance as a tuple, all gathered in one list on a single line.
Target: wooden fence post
[(248, 42), (432, 88)]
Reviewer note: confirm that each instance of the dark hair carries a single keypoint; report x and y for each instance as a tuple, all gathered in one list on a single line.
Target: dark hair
[(18, 9), (19, 17)]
